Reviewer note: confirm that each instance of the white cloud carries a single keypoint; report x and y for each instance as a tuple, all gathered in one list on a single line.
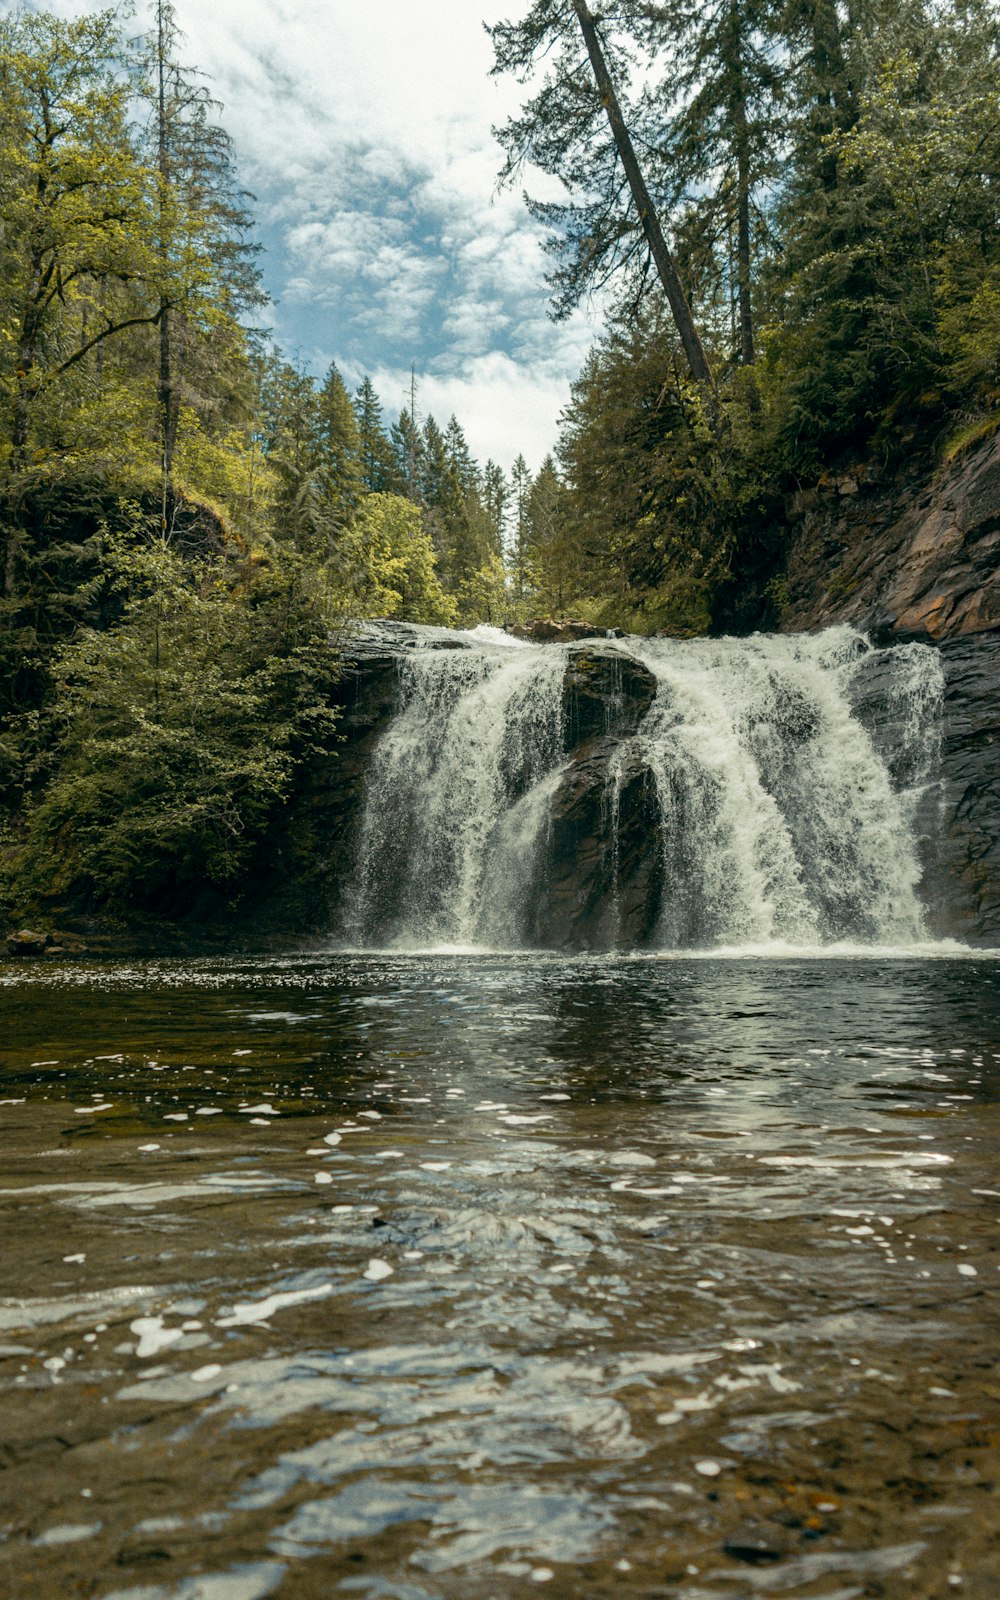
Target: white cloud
[(504, 407)]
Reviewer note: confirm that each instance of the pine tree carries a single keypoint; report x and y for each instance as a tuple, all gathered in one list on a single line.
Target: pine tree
[(379, 468), (460, 456), (340, 473), (407, 448), (207, 266), (293, 449), (496, 498), (520, 554), (554, 562), (720, 108)]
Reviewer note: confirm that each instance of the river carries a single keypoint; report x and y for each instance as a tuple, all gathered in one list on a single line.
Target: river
[(412, 1277)]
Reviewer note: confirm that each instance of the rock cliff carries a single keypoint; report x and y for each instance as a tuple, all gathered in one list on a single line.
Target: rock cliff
[(918, 558), (914, 557)]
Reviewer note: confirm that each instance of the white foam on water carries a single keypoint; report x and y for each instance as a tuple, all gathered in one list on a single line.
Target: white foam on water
[(483, 634), (252, 1580), (249, 1313), (153, 1336), (67, 1533)]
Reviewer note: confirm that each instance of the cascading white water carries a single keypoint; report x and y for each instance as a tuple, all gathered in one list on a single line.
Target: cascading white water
[(776, 818), (457, 796), (779, 815)]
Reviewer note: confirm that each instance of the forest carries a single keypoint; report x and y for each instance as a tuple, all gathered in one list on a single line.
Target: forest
[(787, 213)]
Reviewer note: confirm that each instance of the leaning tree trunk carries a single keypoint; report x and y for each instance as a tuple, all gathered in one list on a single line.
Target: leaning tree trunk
[(743, 261), (165, 382), (694, 350)]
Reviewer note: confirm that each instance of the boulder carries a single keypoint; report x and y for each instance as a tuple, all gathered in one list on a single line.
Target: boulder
[(550, 630), (603, 881), (606, 692), (25, 942)]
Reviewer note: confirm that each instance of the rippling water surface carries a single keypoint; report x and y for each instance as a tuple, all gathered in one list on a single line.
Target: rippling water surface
[(418, 1277)]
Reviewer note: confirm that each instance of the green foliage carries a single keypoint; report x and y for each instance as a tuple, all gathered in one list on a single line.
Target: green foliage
[(379, 471), (889, 300), (391, 563), (175, 734), (77, 211), (160, 697), (647, 488), (829, 179)]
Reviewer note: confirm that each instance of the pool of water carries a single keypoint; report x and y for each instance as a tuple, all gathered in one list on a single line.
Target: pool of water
[(406, 1277)]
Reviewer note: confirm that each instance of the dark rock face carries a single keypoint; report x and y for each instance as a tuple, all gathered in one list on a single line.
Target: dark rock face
[(959, 820), (312, 857), (603, 883), (914, 558), (26, 942), (963, 877), (920, 559), (606, 692)]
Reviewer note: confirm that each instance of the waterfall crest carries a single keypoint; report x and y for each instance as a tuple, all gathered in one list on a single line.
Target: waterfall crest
[(725, 792)]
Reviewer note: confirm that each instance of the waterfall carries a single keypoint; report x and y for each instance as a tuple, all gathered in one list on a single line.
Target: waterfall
[(458, 795), (767, 790)]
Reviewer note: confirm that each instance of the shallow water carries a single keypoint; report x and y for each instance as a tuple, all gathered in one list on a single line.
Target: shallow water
[(462, 1276)]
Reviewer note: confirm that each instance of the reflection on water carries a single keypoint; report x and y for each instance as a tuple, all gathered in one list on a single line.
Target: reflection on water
[(423, 1277)]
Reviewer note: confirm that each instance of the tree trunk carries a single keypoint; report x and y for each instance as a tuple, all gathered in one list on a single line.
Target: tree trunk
[(165, 385), (743, 257), (694, 350), (835, 107)]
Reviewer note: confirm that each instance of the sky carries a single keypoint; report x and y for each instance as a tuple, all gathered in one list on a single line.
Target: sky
[(363, 129)]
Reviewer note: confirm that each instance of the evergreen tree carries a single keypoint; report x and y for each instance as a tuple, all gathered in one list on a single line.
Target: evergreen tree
[(646, 499), (890, 229), (434, 478), (293, 448), (496, 498), (459, 457), (720, 109), (379, 468), (554, 562), (340, 470), (207, 264), (407, 448), (520, 533)]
